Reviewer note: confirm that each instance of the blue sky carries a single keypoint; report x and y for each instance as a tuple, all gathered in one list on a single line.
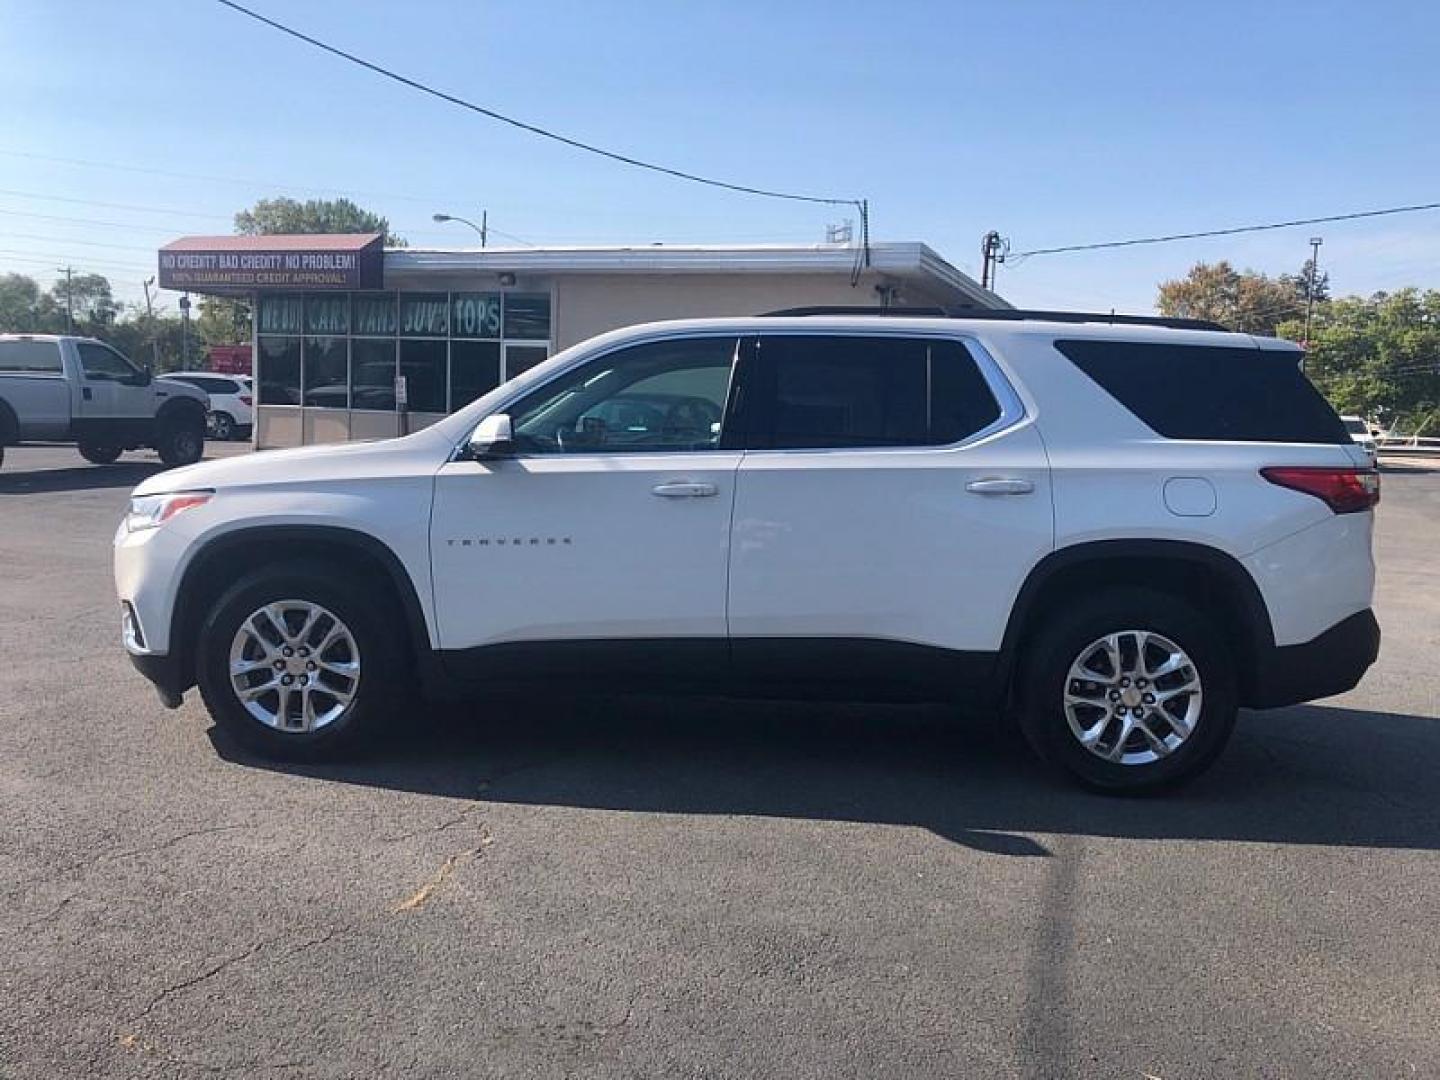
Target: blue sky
[(1053, 122)]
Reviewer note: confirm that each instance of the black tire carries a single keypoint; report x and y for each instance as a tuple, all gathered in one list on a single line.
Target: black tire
[(223, 424), (181, 441), (377, 641), (1045, 679), (99, 453)]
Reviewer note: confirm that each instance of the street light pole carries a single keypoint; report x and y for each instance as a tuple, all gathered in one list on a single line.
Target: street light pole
[(483, 228), (150, 319)]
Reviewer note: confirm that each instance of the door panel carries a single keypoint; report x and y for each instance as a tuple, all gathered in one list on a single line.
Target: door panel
[(888, 544), (569, 547)]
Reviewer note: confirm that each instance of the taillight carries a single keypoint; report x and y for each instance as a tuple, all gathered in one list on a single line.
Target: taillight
[(1345, 490), (245, 400)]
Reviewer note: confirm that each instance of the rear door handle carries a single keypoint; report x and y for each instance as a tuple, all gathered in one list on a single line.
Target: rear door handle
[(1000, 486), (684, 489)]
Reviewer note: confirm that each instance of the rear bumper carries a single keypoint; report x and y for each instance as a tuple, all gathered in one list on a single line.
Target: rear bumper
[(1329, 664)]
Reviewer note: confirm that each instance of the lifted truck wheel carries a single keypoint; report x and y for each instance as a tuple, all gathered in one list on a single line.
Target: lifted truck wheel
[(181, 443)]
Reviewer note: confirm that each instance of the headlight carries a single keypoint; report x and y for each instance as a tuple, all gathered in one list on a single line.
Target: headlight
[(148, 511)]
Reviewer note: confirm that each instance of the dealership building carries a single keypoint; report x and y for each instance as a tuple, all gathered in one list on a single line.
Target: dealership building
[(353, 341)]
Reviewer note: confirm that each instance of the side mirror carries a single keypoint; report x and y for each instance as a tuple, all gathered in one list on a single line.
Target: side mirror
[(492, 438), (140, 378)]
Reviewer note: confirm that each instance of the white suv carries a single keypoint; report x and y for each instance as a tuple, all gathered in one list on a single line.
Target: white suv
[(1116, 531), (232, 401)]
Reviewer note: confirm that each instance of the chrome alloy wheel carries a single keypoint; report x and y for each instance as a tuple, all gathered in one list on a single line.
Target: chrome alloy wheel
[(1132, 697), (294, 666)]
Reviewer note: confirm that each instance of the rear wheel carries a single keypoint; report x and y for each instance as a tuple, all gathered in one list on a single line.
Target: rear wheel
[(223, 425), (296, 665), (1129, 691), (99, 453), (181, 442)]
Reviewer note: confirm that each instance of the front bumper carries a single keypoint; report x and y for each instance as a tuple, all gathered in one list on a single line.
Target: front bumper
[(1332, 663), (164, 672)]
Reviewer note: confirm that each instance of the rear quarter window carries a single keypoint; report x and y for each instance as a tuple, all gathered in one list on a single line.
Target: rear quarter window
[(30, 356), (1214, 393)]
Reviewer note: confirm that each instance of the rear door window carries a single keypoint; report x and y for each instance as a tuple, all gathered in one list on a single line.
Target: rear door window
[(30, 356), (1213, 393), (839, 391)]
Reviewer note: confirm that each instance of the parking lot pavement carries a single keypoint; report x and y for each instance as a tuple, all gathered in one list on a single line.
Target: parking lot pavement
[(590, 887)]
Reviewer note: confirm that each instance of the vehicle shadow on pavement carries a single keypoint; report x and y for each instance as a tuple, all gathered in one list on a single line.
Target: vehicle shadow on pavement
[(1305, 775), (126, 474)]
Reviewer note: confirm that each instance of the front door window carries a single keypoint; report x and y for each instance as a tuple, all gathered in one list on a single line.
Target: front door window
[(664, 396)]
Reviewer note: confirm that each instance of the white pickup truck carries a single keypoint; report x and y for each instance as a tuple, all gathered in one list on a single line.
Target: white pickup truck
[(72, 389)]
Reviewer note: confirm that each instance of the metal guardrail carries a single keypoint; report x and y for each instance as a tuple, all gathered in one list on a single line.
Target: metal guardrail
[(1408, 444)]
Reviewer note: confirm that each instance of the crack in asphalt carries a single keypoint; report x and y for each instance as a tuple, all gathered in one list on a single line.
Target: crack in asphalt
[(422, 895), (114, 856)]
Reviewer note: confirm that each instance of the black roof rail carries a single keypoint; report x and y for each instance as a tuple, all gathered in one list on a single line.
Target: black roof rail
[(1011, 315), (855, 309)]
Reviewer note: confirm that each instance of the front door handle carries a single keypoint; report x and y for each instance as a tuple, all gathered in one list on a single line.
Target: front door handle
[(1000, 486), (684, 489)]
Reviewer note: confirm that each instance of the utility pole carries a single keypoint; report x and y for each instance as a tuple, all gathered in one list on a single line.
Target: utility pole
[(993, 249), (69, 301), (1310, 278), (150, 316)]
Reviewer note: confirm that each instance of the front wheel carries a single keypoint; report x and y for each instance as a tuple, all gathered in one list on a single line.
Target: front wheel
[(1129, 691), (297, 664), (99, 454), (181, 442)]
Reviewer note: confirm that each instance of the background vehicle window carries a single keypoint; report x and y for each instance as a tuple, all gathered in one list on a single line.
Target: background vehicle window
[(99, 362), (662, 396), (831, 392), (29, 356), (1209, 392)]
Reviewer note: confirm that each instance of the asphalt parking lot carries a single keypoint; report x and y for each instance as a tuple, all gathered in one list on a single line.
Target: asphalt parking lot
[(628, 888)]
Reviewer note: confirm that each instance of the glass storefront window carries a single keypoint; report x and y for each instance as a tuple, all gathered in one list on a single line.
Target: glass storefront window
[(520, 358), (475, 315), (424, 314), (423, 365), (372, 374), (327, 313), (474, 370), (340, 350), (527, 315), (326, 372), (279, 370), (375, 314), (280, 314)]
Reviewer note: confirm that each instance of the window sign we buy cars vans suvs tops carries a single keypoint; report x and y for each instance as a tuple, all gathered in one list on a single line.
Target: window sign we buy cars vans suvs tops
[(1110, 530)]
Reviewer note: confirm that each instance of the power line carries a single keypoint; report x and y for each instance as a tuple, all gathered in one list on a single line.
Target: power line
[(533, 129), (111, 205), (1411, 209)]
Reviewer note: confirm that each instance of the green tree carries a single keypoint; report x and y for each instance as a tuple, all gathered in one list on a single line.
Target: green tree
[(1376, 356), (285, 215), (89, 298), (222, 321), (1248, 301), (20, 310)]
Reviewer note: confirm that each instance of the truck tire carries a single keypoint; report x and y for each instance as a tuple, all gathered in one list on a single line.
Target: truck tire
[(181, 440), (99, 453), (1128, 690), (298, 664)]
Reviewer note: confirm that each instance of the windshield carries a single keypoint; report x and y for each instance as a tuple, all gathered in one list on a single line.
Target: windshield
[(1355, 425)]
